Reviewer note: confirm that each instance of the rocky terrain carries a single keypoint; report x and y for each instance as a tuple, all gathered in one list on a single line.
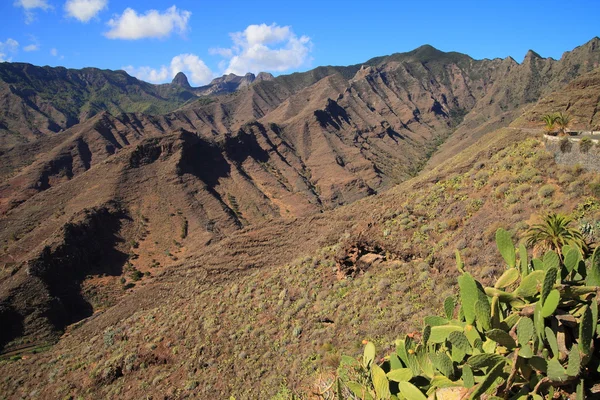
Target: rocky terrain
[(184, 241)]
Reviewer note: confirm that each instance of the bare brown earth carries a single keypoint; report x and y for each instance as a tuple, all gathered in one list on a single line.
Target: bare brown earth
[(245, 213)]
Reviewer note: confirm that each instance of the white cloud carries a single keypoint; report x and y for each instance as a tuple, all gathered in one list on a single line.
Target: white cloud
[(84, 10), (263, 34), (153, 24), (198, 72), (148, 74), (265, 48), (219, 51), (53, 52), (32, 47), (8, 49), (30, 5), (190, 64)]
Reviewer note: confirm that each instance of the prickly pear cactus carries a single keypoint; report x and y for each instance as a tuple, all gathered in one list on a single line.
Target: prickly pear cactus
[(532, 335)]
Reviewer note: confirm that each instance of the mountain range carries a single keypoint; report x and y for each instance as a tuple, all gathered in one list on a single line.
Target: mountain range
[(148, 221)]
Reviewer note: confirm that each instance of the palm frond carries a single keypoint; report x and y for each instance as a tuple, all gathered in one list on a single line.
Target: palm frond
[(554, 232)]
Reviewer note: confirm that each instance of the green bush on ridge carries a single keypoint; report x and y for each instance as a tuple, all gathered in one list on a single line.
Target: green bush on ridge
[(533, 335)]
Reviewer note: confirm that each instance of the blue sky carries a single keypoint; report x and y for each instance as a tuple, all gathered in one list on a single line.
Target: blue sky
[(153, 39)]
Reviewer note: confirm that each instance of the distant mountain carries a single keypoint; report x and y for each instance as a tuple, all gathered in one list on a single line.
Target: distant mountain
[(230, 83), (37, 101), (181, 80), (514, 86)]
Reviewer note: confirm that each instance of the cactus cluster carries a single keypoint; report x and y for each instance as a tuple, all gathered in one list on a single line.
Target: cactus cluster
[(530, 336)]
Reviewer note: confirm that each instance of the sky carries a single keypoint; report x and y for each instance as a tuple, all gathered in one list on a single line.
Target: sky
[(153, 40)]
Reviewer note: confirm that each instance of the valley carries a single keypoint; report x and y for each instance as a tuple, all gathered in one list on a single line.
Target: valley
[(238, 238)]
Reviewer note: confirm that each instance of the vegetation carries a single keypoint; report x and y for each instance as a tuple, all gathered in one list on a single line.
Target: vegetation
[(563, 122), (557, 120), (549, 122), (585, 144), (532, 334), (266, 309), (555, 232)]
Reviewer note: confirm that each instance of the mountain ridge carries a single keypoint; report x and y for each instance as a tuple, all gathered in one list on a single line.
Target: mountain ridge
[(288, 310), (248, 175)]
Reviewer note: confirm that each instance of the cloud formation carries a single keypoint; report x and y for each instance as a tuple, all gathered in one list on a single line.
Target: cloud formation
[(257, 48), (8, 49), (190, 64), (265, 48), (29, 6), (33, 46), (153, 24), (54, 53), (84, 10)]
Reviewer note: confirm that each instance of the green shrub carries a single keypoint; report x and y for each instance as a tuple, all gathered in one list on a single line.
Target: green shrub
[(522, 189), (577, 169), (585, 144), (511, 199), (532, 335), (482, 175), (474, 205), (527, 174), (537, 179), (136, 275), (501, 190), (546, 191), (595, 189), (184, 229), (565, 178), (576, 188), (565, 145)]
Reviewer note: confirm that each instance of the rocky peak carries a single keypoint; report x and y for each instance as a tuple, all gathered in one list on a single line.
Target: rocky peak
[(181, 80), (532, 55), (264, 76), (593, 44)]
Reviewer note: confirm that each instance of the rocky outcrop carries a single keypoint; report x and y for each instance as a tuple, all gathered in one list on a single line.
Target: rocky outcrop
[(264, 76), (181, 80), (226, 84)]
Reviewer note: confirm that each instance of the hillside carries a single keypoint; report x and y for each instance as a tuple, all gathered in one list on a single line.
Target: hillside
[(191, 253), (41, 101), (402, 241)]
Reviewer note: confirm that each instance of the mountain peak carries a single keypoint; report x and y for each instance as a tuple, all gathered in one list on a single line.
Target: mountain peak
[(264, 76), (594, 43), (426, 51), (531, 55), (181, 80)]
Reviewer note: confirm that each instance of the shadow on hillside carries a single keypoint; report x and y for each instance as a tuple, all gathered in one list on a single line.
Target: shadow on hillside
[(211, 161), (89, 249)]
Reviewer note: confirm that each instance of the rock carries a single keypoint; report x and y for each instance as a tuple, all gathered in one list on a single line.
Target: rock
[(370, 259), (264, 76), (181, 80)]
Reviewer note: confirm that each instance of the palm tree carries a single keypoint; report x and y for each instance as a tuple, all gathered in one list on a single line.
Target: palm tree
[(549, 121), (563, 121), (553, 233)]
